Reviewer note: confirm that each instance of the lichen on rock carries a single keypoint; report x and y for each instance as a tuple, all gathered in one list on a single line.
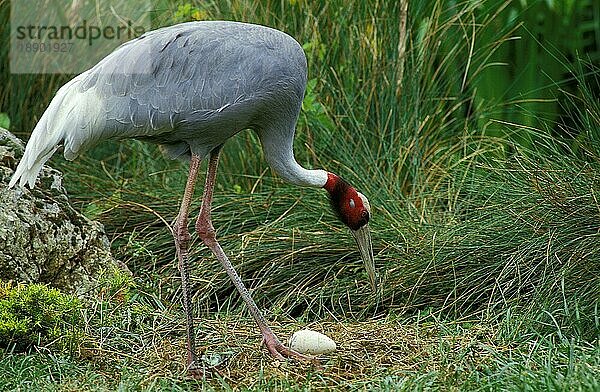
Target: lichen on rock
[(42, 238)]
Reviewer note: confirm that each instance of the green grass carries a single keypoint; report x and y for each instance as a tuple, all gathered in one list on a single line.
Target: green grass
[(135, 342), (478, 145)]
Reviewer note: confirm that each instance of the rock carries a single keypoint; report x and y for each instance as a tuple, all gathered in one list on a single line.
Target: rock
[(42, 238), (307, 341)]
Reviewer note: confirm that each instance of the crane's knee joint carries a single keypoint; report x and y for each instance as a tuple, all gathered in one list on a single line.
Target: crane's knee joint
[(181, 232), (206, 232)]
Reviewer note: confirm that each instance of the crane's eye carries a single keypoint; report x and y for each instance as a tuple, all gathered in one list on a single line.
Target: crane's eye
[(352, 204)]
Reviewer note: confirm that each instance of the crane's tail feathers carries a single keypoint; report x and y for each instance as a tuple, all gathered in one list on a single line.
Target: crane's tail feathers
[(28, 175), (48, 135), (40, 148)]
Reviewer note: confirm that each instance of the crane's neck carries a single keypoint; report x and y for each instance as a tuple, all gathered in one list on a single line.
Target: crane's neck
[(280, 155)]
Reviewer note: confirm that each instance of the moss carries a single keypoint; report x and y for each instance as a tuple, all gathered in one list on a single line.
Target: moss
[(35, 314)]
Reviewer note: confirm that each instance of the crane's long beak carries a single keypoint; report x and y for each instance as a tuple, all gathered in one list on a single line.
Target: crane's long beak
[(363, 240)]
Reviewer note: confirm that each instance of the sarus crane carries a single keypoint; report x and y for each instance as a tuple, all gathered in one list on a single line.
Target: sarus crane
[(189, 88)]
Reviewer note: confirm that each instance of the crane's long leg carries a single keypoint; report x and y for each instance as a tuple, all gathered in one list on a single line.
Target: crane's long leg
[(182, 241), (206, 231)]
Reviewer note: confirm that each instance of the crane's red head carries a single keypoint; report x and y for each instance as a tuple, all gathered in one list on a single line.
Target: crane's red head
[(350, 206), (353, 209)]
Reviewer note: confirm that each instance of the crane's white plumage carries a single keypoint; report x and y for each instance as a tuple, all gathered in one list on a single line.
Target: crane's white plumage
[(70, 119)]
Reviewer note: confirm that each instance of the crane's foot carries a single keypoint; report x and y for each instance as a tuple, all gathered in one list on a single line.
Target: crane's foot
[(197, 373), (194, 370), (282, 353)]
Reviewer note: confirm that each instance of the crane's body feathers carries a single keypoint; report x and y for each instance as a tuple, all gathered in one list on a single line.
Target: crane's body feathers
[(188, 88)]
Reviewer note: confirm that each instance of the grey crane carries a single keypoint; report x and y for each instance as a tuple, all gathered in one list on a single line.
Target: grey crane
[(189, 88)]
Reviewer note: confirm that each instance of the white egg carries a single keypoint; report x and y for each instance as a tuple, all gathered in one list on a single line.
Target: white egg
[(311, 342)]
